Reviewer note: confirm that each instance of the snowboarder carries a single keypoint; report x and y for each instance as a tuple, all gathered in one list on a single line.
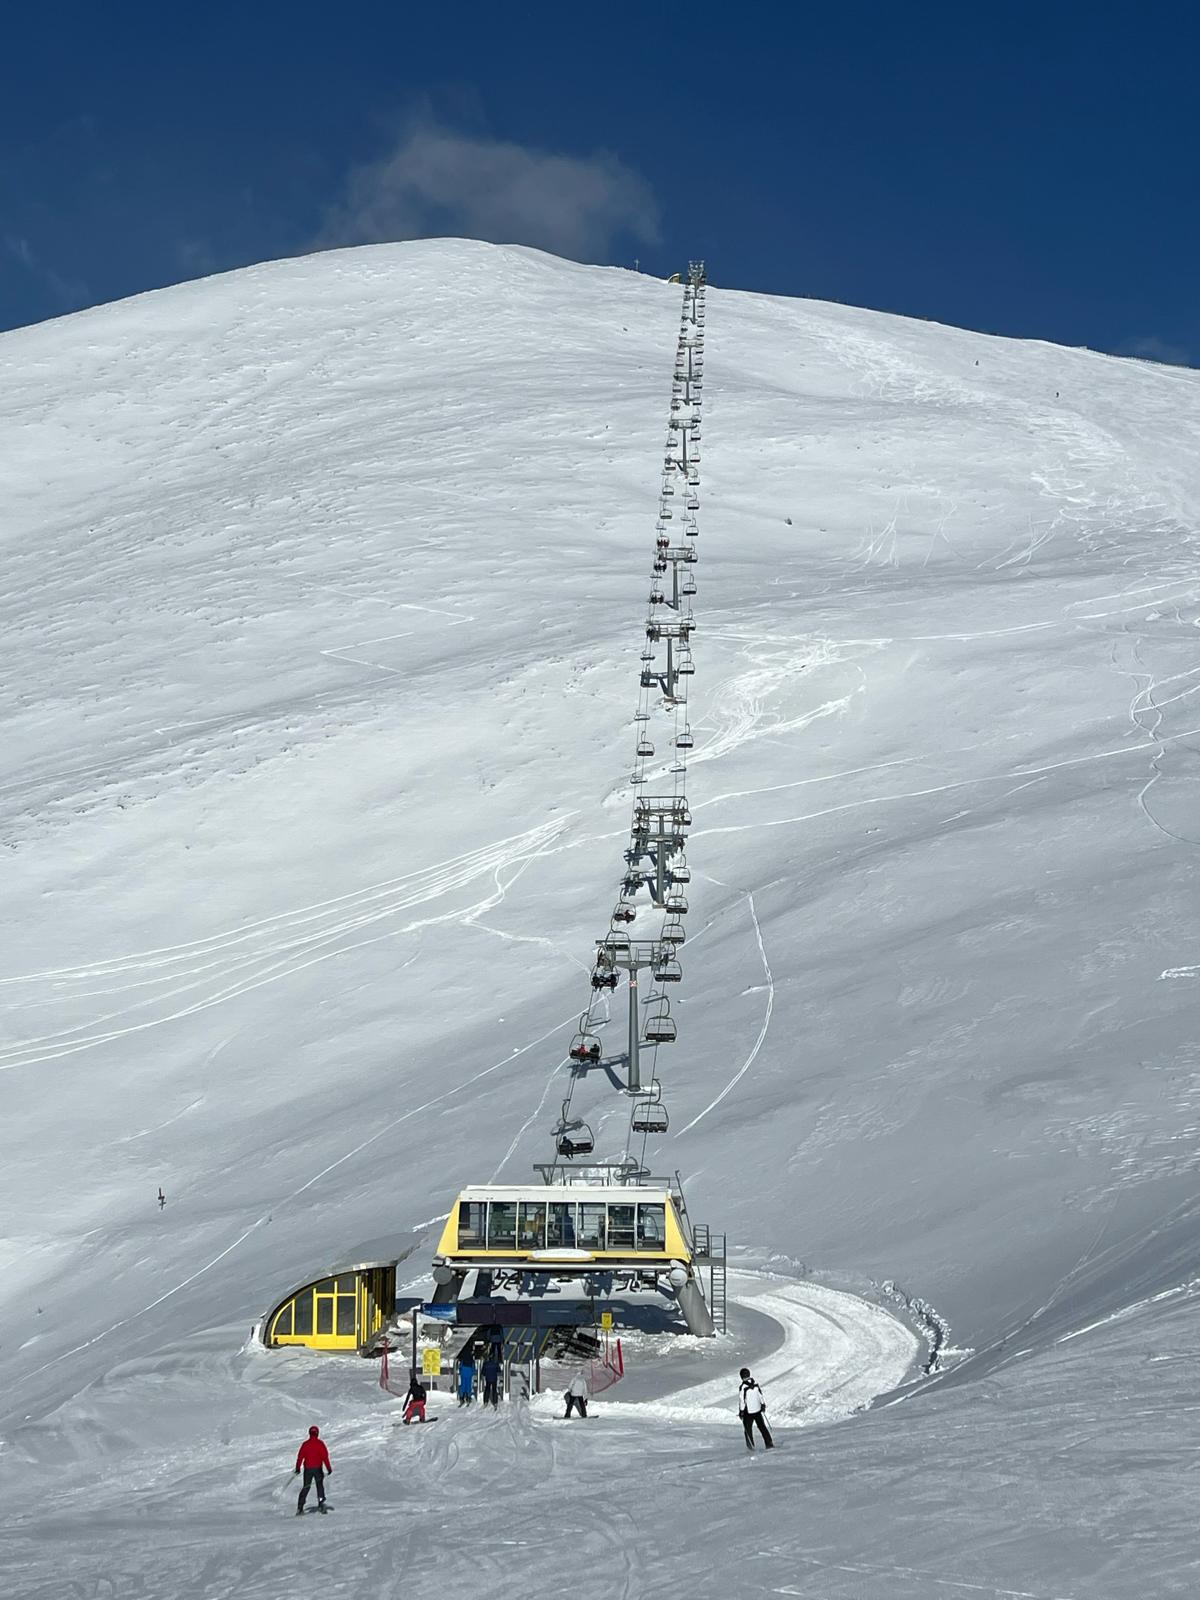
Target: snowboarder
[(577, 1395), (490, 1373), (414, 1405), (313, 1457), (751, 1406), (466, 1378)]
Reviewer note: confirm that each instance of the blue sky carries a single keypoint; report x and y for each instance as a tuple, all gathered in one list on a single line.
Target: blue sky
[(1020, 169)]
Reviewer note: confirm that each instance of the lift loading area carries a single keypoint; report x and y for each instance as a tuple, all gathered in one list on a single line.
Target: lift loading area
[(602, 1234)]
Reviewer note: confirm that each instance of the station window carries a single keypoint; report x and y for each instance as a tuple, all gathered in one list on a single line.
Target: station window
[(531, 1225), (472, 1223), (283, 1322), (591, 1225), (620, 1228), (324, 1313), (347, 1319), (652, 1227), (502, 1224), (304, 1314), (560, 1225)]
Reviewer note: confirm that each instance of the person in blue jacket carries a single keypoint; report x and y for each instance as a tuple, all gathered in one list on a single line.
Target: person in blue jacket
[(490, 1373)]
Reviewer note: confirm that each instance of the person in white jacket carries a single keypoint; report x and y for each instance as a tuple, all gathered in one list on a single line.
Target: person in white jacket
[(751, 1406), (577, 1395)]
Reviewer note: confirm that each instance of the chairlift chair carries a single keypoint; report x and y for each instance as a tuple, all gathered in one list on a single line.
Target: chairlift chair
[(660, 566), (673, 933), (686, 668), (680, 873), (688, 586), (603, 979), (644, 749), (675, 905), (660, 1028), (584, 1047), (668, 970), (624, 913), (574, 1138), (649, 1116)]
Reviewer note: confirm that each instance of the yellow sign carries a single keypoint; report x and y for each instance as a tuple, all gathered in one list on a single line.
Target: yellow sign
[(606, 1320), (431, 1363)]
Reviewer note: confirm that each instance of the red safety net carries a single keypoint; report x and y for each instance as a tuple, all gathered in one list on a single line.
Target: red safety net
[(608, 1367), (385, 1378)]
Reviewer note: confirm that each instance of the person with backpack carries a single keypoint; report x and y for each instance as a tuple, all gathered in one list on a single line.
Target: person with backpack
[(577, 1395), (751, 1406), (313, 1458), (414, 1400)]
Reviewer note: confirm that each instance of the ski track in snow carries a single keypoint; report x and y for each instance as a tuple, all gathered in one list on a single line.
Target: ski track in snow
[(274, 948), (762, 1032)]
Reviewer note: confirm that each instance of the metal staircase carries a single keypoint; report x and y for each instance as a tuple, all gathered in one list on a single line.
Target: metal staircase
[(710, 1251)]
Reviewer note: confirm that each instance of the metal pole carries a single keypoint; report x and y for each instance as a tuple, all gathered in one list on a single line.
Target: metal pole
[(416, 1308), (635, 1074)]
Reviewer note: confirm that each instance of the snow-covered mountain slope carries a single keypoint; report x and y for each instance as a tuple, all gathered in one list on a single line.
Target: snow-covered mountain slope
[(321, 596)]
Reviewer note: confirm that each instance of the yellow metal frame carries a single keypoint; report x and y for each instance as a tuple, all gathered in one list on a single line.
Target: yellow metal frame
[(371, 1290), (674, 1247)]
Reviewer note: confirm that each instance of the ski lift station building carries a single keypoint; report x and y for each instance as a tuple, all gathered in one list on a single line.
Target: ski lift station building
[(597, 1232), (342, 1310)]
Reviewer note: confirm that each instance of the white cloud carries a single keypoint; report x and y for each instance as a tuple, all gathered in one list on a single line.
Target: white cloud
[(436, 182), (1153, 348)]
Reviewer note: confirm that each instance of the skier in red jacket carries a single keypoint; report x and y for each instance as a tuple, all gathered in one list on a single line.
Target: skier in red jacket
[(314, 1458)]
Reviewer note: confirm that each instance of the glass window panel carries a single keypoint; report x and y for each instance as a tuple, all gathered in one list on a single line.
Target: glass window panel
[(502, 1224), (560, 1225), (652, 1227), (324, 1287), (620, 1228), (346, 1321), (348, 1283), (324, 1313), (283, 1322), (472, 1222), (304, 1312), (591, 1225), (531, 1228)]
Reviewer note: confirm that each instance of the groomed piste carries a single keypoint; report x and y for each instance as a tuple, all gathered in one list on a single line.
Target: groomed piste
[(320, 586)]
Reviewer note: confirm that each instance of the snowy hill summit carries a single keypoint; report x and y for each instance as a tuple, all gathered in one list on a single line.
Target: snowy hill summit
[(322, 587)]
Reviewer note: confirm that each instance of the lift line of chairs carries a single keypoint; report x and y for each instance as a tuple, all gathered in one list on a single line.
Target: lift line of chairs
[(573, 1136)]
